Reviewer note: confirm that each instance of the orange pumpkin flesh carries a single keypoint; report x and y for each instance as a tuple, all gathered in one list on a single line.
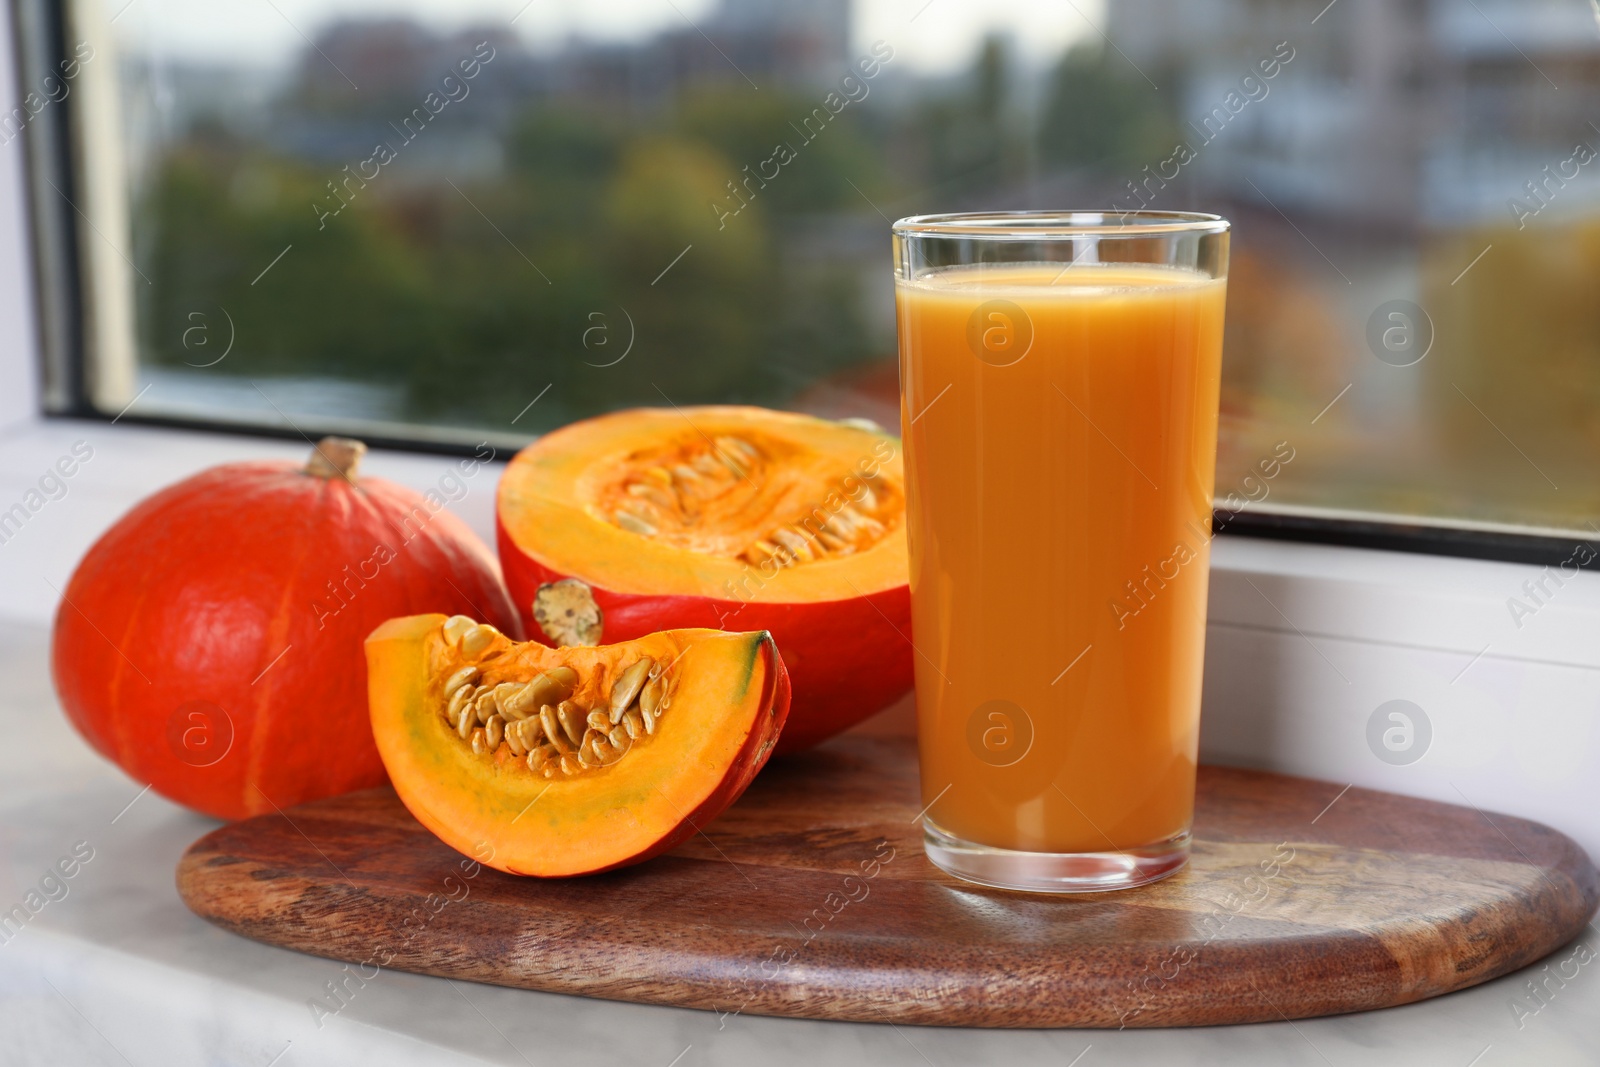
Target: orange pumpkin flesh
[(210, 642), (727, 698), (734, 518)]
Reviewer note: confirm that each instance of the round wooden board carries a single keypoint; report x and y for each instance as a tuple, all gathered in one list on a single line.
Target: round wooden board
[(811, 897)]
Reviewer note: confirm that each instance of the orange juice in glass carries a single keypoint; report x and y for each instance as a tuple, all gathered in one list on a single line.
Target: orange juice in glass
[(1059, 379)]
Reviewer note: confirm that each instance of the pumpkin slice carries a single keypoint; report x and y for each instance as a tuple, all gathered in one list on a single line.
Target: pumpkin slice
[(573, 761), (734, 518)]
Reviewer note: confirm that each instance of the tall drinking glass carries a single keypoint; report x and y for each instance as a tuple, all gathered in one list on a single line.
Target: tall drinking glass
[(1059, 376)]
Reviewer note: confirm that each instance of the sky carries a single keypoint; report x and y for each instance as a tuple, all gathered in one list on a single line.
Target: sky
[(929, 36)]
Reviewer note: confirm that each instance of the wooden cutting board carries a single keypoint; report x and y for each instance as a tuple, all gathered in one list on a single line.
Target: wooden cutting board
[(811, 897)]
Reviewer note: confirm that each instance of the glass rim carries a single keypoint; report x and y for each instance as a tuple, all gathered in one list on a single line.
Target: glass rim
[(1058, 225)]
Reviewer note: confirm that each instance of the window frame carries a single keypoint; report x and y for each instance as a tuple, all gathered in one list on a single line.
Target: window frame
[(53, 151)]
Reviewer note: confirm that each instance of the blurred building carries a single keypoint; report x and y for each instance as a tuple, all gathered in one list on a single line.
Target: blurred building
[(396, 62), (743, 42), (1393, 112), (792, 44)]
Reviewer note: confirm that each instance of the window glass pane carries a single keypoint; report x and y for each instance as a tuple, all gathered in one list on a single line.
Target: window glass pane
[(493, 218)]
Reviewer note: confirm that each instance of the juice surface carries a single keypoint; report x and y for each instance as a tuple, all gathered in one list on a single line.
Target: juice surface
[(1060, 439)]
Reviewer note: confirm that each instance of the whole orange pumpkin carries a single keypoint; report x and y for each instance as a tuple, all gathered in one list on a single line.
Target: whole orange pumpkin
[(210, 643)]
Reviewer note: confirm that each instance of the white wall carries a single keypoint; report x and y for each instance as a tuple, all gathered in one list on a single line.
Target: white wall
[(1306, 642)]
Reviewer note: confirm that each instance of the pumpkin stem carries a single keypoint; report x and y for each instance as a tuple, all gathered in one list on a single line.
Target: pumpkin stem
[(336, 457), (567, 613)]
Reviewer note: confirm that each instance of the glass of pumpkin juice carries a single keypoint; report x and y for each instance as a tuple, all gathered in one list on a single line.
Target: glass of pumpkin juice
[(1059, 380)]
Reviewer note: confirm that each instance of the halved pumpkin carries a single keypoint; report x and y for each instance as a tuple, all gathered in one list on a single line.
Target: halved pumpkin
[(562, 762), (734, 518)]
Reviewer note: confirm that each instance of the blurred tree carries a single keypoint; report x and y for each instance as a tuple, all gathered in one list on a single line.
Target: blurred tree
[(475, 295), (815, 323), (1102, 112), (351, 297), (747, 129), (969, 138), (704, 324), (560, 149)]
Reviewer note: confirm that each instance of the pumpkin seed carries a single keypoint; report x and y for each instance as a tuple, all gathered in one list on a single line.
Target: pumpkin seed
[(551, 687), (513, 701), (740, 445), (477, 639), (650, 695), (561, 738), (553, 730), (456, 626), (533, 734), (603, 750), (833, 543), (514, 741), (464, 677), (506, 703), (859, 521), (573, 720), (634, 524), (458, 700), (653, 498), (673, 490), (628, 685), (761, 551), (795, 543)]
